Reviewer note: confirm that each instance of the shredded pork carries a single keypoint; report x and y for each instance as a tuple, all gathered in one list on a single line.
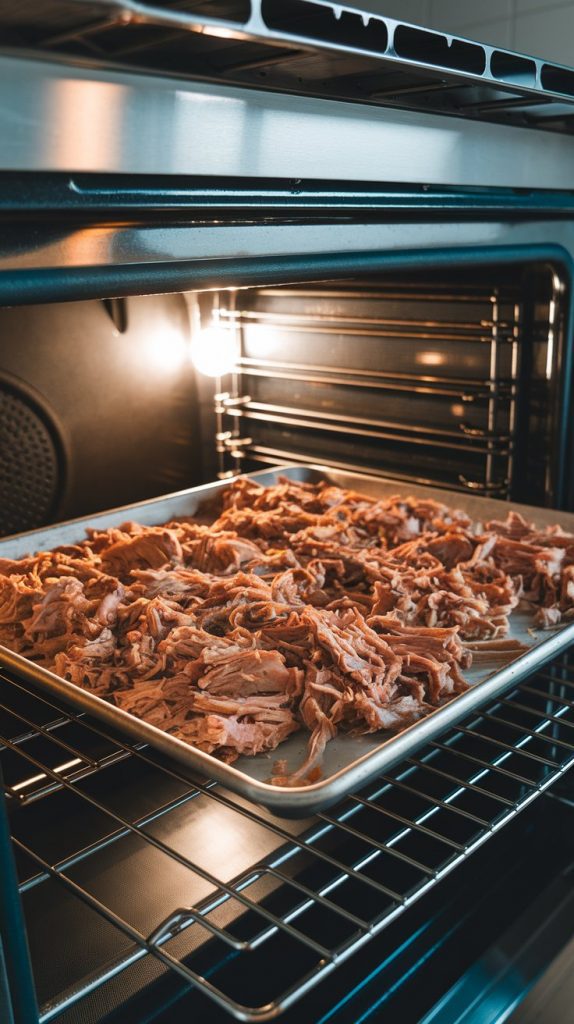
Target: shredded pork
[(301, 607)]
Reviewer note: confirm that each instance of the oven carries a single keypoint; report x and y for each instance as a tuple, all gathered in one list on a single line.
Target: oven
[(239, 235)]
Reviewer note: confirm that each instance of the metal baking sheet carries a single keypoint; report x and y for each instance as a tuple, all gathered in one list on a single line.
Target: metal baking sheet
[(349, 762)]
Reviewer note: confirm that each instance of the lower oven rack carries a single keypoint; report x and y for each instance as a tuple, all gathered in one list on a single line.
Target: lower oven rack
[(317, 891)]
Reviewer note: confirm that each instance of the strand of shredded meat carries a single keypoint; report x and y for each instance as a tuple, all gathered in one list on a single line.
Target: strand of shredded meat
[(301, 606)]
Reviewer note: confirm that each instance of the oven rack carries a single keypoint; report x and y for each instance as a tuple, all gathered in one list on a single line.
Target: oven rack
[(321, 890), (310, 47), (264, 455), (383, 375), (463, 389), (240, 445), (379, 378), (244, 407)]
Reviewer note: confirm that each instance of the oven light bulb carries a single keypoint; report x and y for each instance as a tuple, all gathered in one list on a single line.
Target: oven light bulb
[(214, 351)]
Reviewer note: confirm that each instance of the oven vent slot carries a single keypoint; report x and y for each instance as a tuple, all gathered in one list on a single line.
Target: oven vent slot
[(114, 839), (326, 24), (509, 67), (434, 48)]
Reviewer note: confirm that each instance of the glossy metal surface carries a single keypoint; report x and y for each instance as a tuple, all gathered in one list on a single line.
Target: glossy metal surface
[(170, 257), (536, 949), (60, 118), (550, 1001), (305, 47), (349, 763)]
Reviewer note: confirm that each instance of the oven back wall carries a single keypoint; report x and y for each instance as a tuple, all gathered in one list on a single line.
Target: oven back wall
[(97, 407)]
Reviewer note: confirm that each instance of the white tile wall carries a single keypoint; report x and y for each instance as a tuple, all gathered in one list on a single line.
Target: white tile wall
[(417, 11), (497, 32), (539, 5), (446, 14), (547, 33), (544, 29)]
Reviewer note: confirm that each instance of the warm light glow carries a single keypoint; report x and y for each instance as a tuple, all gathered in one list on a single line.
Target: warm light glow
[(89, 118), (214, 351), (431, 358), (167, 351), (222, 33), (42, 775), (458, 409)]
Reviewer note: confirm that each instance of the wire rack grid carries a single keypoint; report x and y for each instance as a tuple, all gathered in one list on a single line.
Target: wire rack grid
[(259, 886)]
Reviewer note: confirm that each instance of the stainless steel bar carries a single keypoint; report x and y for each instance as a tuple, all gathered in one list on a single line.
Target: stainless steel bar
[(492, 405), (120, 833), (308, 846), (317, 896), (320, 424), (484, 487), (244, 406), (507, 746), (275, 456), (48, 733), (341, 319), (513, 403), (183, 917), (241, 1012), (342, 824), (437, 294), (313, 328), (22, 737), (557, 680), (547, 715), (468, 384), (409, 823), (371, 381), (184, 861), (83, 33), (404, 145), (462, 783), (490, 765), (547, 696), (533, 733), (436, 801)]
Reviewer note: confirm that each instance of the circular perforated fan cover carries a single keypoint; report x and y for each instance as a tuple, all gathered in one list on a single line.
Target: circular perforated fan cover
[(29, 464)]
